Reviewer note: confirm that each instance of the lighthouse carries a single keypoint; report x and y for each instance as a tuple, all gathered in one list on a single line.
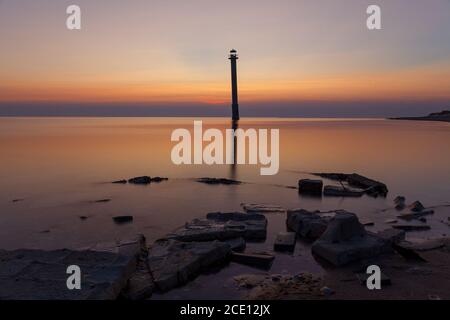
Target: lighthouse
[(234, 91)]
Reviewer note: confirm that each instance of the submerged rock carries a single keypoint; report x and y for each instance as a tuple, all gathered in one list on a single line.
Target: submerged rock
[(146, 180), (123, 219), (412, 227), (257, 260), (311, 187), (306, 224), (345, 240), (223, 226), (218, 181), (173, 263), (120, 181)]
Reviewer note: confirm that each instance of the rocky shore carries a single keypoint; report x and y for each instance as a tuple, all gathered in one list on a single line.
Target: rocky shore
[(338, 241)]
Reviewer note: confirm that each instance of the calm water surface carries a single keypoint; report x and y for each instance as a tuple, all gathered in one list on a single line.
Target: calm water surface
[(59, 166)]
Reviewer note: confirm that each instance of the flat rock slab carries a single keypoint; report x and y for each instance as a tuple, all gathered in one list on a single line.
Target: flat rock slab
[(346, 240), (335, 191), (223, 226), (173, 263), (285, 241), (306, 224), (41, 275), (262, 208)]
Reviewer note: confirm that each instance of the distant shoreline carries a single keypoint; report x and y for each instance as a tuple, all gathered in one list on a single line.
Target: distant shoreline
[(439, 116)]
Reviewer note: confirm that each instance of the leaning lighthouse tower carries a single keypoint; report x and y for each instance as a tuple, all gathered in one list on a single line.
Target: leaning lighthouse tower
[(234, 90)]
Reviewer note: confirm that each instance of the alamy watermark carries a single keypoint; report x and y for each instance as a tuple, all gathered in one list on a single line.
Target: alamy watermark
[(237, 141)]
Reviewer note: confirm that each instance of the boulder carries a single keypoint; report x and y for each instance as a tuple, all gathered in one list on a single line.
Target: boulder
[(123, 219), (173, 263), (306, 224), (345, 240), (311, 187)]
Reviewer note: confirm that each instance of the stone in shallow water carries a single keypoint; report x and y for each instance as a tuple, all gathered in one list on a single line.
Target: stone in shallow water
[(173, 263), (223, 226), (306, 224), (309, 186), (346, 240), (285, 241), (218, 181)]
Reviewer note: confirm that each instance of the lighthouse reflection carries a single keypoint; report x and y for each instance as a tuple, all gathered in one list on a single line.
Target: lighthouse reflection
[(234, 126)]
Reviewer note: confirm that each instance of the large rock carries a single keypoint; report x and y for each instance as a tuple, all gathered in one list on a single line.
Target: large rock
[(306, 224), (173, 263), (42, 275), (345, 240), (223, 226)]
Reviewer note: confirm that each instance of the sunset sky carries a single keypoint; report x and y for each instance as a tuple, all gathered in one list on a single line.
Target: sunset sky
[(169, 57)]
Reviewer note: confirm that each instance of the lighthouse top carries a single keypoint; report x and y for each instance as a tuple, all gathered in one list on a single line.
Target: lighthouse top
[(233, 54)]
